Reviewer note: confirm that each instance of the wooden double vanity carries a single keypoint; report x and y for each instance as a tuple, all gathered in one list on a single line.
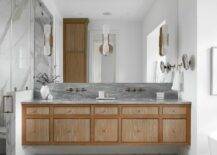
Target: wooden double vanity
[(94, 124)]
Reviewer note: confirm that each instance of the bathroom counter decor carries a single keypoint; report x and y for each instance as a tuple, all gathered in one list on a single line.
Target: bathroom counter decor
[(113, 123)]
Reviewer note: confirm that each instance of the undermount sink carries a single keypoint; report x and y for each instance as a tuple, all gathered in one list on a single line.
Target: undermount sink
[(140, 99), (107, 98)]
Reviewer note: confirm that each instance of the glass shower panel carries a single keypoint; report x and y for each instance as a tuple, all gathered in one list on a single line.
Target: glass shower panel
[(22, 50), (5, 63), (5, 52)]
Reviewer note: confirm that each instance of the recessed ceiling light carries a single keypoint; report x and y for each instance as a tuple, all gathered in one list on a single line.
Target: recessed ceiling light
[(106, 13)]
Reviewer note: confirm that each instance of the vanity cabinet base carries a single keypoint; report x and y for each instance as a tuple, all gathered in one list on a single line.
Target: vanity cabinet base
[(60, 124)]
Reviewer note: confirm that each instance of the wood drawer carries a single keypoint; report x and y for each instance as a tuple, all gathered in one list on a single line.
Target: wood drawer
[(139, 110), (106, 110), (175, 110), (37, 110), (71, 110)]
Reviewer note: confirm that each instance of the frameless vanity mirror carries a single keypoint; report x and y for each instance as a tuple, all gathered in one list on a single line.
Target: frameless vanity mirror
[(118, 46)]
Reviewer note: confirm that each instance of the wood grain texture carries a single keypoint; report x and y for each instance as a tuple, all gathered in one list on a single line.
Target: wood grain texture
[(174, 130), (74, 50), (106, 110), (175, 110), (72, 110), (75, 67), (37, 130), (113, 127), (106, 130), (37, 111), (71, 130), (140, 130), (75, 37), (139, 110)]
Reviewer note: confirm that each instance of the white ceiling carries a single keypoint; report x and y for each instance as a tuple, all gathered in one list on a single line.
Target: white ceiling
[(93, 9)]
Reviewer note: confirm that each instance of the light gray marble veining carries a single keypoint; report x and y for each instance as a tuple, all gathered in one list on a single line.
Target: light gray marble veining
[(118, 91), (43, 63), (119, 101), (16, 56)]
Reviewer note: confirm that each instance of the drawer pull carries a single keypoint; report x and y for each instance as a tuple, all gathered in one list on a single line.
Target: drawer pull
[(68, 131), (69, 111), (103, 111), (34, 111)]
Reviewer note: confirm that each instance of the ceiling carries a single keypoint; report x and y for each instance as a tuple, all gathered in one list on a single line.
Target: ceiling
[(94, 9)]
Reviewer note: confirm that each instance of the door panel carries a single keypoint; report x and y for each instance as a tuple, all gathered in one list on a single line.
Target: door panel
[(140, 130), (71, 130), (37, 130), (174, 130), (75, 42), (106, 130)]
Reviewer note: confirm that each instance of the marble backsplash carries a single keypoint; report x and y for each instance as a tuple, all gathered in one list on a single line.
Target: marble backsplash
[(117, 90)]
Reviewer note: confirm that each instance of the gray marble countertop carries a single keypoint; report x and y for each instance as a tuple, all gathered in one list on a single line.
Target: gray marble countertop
[(117, 101)]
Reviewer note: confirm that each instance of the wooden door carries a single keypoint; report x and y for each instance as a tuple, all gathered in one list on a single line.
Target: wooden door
[(174, 130), (74, 48), (106, 130), (71, 130), (37, 131), (139, 130)]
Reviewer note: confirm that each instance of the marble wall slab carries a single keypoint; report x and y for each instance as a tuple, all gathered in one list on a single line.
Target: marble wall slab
[(117, 90), (16, 55), (43, 63), (22, 46), (16, 48)]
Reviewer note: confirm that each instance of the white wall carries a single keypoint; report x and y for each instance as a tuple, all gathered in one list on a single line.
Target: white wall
[(58, 37), (162, 10), (129, 48), (187, 45), (207, 104)]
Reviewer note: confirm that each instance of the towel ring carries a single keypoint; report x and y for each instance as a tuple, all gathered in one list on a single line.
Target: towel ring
[(186, 64), (168, 67)]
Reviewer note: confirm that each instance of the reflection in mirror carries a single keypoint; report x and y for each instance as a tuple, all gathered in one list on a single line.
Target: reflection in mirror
[(43, 43), (103, 66), (155, 56), (140, 41)]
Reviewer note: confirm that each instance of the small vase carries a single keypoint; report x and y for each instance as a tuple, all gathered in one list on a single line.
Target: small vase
[(45, 91)]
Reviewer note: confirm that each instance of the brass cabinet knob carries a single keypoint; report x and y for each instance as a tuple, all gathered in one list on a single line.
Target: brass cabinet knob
[(104, 130), (34, 111), (138, 131), (69, 111)]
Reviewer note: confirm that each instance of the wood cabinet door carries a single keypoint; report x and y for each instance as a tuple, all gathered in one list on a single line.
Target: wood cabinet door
[(71, 130), (37, 130), (75, 46), (106, 130), (174, 130), (139, 130)]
